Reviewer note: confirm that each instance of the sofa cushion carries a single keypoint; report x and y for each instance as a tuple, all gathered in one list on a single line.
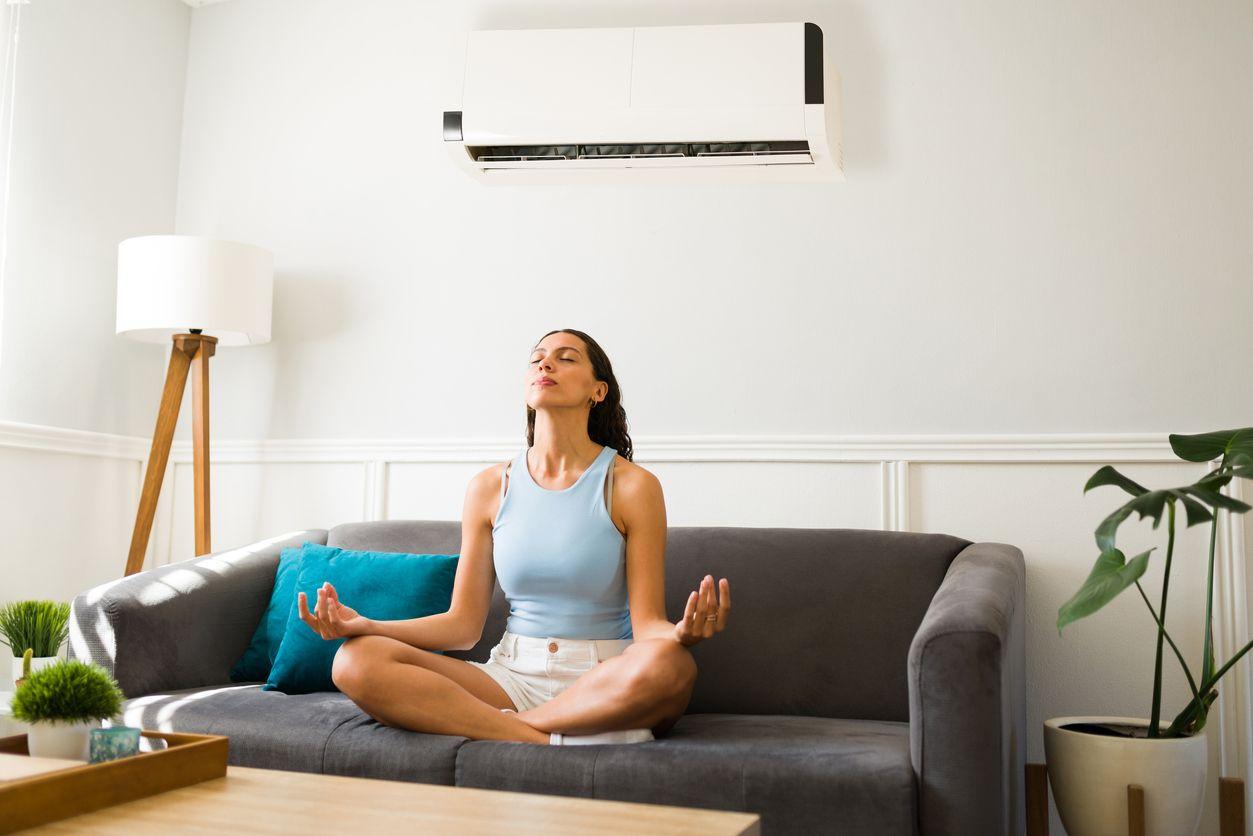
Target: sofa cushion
[(257, 660), (387, 586), (801, 774), (319, 732), (822, 622)]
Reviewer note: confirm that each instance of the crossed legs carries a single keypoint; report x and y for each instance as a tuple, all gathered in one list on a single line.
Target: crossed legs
[(648, 685)]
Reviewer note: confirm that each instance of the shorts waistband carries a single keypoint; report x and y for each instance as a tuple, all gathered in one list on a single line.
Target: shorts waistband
[(604, 648)]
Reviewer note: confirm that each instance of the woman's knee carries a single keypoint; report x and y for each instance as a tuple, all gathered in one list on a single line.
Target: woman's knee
[(354, 656), (669, 672)]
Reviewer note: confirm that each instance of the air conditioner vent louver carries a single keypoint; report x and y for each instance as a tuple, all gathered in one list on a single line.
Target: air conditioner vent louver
[(517, 153)]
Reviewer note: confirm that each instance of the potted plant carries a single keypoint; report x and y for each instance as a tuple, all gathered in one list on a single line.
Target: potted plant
[(41, 626), (1091, 760), (62, 703)]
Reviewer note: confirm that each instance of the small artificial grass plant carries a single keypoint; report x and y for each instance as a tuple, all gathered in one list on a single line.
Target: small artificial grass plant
[(69, 691), (41, 626)]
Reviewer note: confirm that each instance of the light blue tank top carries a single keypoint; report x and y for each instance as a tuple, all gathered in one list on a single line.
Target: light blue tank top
[(560, 560)]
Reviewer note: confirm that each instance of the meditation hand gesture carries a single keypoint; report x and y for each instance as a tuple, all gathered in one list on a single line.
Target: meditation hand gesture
[(330, 619), (704, 614)]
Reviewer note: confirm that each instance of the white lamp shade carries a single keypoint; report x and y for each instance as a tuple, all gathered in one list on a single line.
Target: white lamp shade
[(169, 284)]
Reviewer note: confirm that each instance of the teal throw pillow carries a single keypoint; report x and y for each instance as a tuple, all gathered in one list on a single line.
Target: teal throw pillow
[(385, 586), (254, 665)]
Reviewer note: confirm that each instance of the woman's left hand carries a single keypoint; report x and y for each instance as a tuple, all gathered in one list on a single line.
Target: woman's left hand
[(705, 614)]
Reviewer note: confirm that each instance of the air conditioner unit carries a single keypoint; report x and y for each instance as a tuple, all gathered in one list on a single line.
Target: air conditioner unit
[(730, 102)]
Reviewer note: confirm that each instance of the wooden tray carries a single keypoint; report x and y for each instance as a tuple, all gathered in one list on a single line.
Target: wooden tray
[(38, 799)]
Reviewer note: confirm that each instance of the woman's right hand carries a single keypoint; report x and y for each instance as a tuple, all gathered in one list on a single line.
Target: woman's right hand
[(330, 619)]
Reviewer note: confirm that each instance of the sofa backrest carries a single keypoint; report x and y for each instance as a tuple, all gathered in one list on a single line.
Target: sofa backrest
[(821, 619)]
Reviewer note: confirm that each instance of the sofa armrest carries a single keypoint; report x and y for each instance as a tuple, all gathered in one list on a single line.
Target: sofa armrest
[(181, 625), (967, 696)]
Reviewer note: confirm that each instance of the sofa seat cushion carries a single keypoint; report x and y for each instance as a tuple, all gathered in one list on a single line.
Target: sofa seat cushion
[(319, 732), (800, 774)]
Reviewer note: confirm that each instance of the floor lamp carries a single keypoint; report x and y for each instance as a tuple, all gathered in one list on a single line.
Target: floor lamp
[(199, 293)]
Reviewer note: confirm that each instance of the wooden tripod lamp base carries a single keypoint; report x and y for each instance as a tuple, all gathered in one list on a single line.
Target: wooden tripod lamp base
[(178, 287), (191, 353)]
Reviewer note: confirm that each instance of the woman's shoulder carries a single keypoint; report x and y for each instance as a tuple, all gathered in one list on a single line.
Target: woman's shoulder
[(627, 475)]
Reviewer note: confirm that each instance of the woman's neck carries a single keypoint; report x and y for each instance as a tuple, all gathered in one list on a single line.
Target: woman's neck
[(554, 454)]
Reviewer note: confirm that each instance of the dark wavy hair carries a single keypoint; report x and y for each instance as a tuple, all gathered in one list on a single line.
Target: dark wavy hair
[(606, 422)]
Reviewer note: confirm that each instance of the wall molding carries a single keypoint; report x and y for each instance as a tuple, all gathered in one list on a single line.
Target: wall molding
[(76, 442), (956, 448), (1075, 447)]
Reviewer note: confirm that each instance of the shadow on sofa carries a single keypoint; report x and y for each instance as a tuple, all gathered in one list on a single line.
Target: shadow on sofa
[(868, 681)]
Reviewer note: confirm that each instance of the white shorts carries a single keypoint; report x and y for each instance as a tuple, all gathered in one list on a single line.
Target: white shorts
[(533, 670)]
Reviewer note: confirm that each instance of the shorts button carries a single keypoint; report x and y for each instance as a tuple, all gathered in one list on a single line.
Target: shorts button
[(552, 647)]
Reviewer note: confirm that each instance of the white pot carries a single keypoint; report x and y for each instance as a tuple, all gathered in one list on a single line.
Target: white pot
[(1089, 774), (36, 663), (58, 739)]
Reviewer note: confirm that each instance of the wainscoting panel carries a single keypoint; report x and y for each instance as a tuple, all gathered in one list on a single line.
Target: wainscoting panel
[(800, 494), (249, 502), (432, 490), (67, 520)]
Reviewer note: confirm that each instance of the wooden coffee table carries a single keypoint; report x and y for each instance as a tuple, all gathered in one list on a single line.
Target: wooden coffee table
[(274, 801)]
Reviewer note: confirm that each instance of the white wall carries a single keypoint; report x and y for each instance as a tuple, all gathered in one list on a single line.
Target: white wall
[(94, 160), (98, 110), (1044, 229)]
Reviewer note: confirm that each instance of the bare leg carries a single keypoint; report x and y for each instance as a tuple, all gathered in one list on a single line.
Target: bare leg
[(391, 682), (646, 686)]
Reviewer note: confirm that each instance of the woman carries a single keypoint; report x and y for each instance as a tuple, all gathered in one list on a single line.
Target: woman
[(576, 532)]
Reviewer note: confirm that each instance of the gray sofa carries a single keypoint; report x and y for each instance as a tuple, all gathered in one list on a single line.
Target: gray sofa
[(868, 682)]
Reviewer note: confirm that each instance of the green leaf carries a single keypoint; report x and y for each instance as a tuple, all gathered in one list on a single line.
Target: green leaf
[(1219, 500), (1215, 480), (1203, 447), (1109, 476), (1150, 504), (1242, 464), (1110, 576), (1197, 513)]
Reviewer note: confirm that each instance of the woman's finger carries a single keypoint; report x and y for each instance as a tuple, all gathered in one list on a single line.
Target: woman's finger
[(699, 618), (688, 612), (321, 603), (724, 606), (711, 606), (302, 606)]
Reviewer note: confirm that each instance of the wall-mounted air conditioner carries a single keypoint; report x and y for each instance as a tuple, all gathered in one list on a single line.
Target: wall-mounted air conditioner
[(730, 102)]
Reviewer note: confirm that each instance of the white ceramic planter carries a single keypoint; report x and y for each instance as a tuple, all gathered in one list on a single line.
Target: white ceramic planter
[(56, 739), (36, 663), (1089, 774)]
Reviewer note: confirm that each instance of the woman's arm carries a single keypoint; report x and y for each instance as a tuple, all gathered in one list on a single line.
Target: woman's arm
[(462, 626), (643, 509), (639, 498)]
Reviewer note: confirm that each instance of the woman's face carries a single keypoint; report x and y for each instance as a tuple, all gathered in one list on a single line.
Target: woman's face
[(559, 374)]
